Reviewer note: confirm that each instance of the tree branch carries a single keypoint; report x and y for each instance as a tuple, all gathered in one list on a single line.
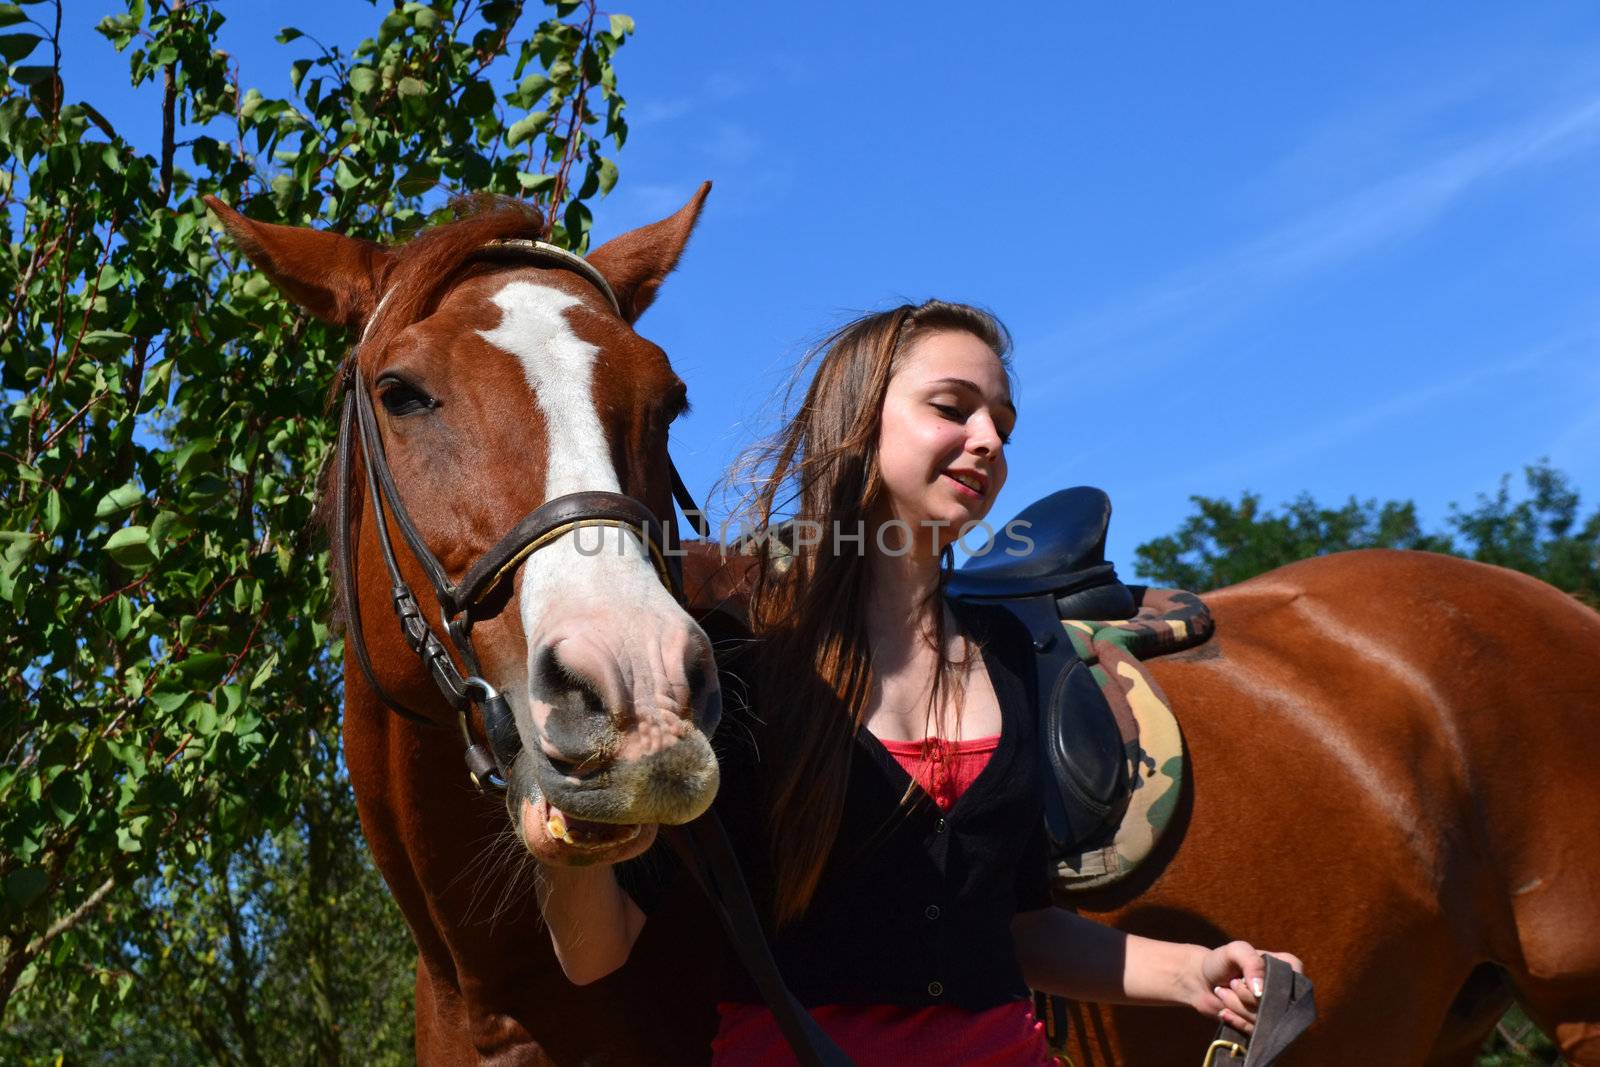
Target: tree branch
[(72, 918)]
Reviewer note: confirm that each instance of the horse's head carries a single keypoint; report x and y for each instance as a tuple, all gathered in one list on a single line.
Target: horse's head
[(499, 381)]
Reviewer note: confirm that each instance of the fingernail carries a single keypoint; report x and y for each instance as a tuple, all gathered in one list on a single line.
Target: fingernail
[(1255, 986), (1217, 990)]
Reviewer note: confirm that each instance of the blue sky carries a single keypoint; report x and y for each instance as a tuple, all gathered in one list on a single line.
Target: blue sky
[(1344, 250)]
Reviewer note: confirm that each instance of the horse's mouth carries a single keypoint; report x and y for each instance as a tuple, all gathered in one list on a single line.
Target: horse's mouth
[(586, 833), (547, 828)]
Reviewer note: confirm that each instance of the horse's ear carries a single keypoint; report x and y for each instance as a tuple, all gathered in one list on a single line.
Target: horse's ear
[(637, 262), (334, 277)]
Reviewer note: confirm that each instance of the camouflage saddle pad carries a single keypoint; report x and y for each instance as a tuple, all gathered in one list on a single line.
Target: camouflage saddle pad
[(1167, 620)]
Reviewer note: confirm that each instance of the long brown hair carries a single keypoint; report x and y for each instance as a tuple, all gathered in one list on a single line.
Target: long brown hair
[(814, 673)]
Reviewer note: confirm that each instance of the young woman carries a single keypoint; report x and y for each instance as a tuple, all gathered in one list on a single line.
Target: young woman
[(882, 787)]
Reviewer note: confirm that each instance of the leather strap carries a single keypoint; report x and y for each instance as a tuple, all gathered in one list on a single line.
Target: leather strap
[(704, 847), (1287, 1008), (344, 563), (556, 518)]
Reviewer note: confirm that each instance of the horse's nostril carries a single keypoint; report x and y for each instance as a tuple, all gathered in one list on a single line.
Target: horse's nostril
[(587, 767), (566, 688)]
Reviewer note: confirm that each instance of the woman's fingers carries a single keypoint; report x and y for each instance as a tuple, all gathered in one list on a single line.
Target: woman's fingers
[(1239, 1023), (1252, 968), (1291, 959), (1234, 1012)]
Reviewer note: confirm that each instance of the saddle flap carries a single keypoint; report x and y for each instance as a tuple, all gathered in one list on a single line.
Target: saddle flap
[(1083, 763), (1086, 768)]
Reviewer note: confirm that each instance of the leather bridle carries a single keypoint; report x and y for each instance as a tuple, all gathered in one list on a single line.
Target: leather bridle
[(475, 596)]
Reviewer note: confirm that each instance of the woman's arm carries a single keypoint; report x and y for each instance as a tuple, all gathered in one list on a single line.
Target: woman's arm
[(593, 923), (1066, 954)]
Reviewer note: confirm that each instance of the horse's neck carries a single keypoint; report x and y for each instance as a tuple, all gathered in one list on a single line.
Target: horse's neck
[(717, 579)]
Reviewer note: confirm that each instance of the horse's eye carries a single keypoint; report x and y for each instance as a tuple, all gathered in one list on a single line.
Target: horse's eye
[(400, 397)]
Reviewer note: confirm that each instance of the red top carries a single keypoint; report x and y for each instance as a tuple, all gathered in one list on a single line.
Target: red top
[(944, 769), (1002, 1036)]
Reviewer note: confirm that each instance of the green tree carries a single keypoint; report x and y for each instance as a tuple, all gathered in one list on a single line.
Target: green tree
[(177, 835), (1543, 534)]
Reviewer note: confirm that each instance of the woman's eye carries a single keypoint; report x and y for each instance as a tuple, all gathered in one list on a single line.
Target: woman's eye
[(949, 412), (402, 398)]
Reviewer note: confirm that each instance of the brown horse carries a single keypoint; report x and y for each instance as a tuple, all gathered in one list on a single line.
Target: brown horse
[(1393, 761), (1391, 753), (500, 382)]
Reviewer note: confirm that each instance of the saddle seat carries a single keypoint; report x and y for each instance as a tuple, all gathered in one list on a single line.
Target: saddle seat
[(1067, 559)]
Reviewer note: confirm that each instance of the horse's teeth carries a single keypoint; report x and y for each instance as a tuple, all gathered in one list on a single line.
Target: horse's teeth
[(556, 827)]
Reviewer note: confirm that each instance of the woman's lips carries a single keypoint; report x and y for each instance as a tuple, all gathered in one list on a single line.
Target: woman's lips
[(963, 488)]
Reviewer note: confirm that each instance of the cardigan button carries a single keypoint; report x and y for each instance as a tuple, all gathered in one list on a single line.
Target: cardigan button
[(938, 826), (932, 911), (935, 989)]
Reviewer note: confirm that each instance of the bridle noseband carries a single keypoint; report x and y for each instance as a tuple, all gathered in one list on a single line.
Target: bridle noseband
[(475, 596)]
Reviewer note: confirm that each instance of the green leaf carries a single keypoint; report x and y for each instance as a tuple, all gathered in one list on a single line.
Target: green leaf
[(119, 500), (31, 76), (409, 86), (344, 176), (66, 798), (17, 46), (263, 674), (11, 14), (289, 33), (608, 176), (52, 512), (203, 668), (529, 91), (105, 342), (252, 100), (533, 184), (203, 717), (363, 79), (418, 180), (23, 885), (525, 128), (622, 25), (130, 546)]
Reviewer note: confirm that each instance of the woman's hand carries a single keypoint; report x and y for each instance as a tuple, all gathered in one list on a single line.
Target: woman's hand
[(1230, 980)]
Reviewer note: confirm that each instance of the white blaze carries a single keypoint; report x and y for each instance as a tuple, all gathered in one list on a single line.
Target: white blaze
[(604, 568)]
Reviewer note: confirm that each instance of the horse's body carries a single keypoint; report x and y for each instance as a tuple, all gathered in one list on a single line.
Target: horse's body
[(1393, 762), (1392, 754)]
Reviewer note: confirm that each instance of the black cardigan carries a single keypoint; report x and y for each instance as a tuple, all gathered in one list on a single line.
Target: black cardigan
[(914, 906)]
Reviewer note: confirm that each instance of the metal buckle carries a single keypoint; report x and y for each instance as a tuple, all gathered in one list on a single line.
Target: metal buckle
[(1232, 1048), (481, 767)]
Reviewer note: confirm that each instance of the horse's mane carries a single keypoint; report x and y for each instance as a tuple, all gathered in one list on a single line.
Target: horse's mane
[(416, 277)]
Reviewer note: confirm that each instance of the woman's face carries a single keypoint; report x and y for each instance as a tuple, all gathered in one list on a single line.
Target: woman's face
[(941, 444)]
